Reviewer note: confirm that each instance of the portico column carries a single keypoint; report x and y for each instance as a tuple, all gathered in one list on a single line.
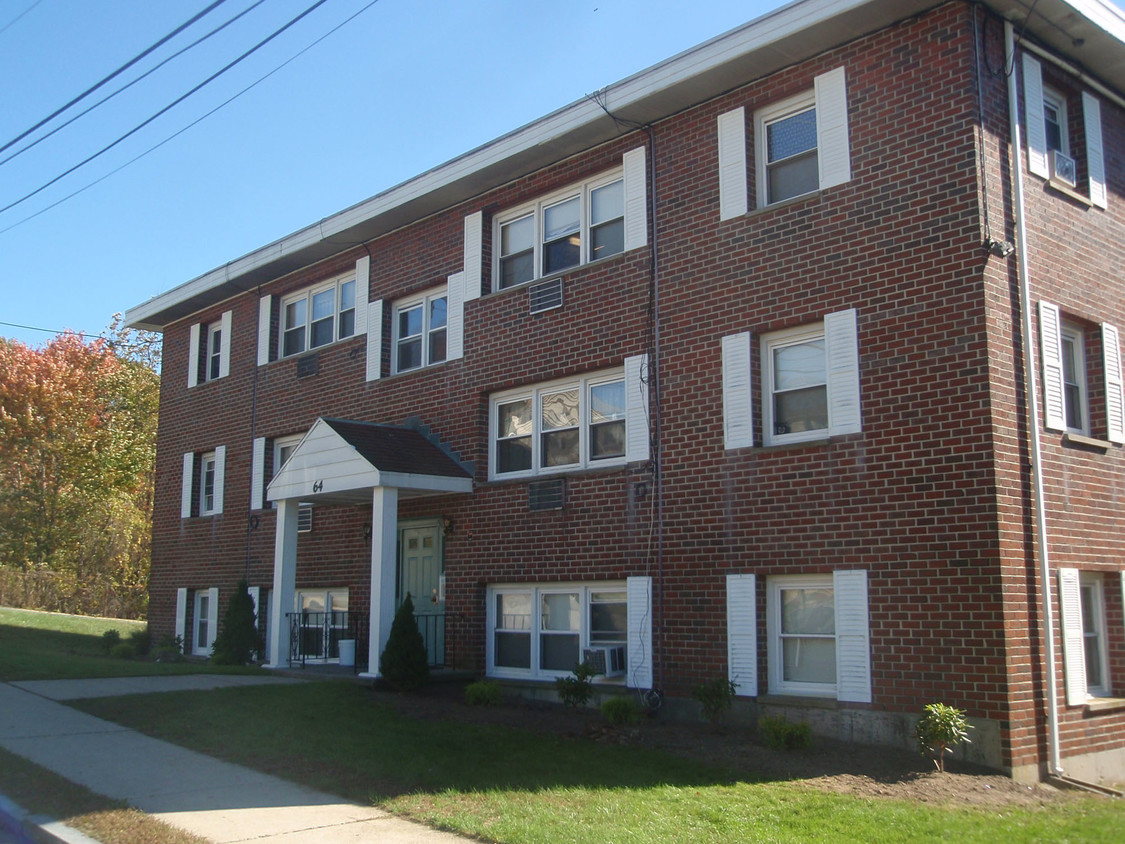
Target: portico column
[(284, 580), (384, 562)]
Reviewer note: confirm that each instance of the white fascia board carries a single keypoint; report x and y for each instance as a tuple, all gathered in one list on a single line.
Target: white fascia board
[(428, 483)]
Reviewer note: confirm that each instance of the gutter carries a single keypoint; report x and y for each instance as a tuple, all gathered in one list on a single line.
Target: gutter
[(1054, 761)]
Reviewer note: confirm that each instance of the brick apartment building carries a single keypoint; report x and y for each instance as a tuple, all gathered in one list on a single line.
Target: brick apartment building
[(792, 360)]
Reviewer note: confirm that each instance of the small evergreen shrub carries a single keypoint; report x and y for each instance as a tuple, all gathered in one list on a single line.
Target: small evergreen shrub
[(621, 711), (483, 693), (782, 734), (123, 650), (110, 640), (238, 638), (404, 663), (576, 690), (716, 697), (141, 640), (170, 649), (939, 730)]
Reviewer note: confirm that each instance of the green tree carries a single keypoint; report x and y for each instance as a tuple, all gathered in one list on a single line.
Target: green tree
[(404, 662), (238, 638)]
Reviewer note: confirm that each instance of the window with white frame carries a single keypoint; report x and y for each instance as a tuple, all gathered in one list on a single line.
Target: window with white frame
[(1082, 609), (209, 350), (214, 351), (283, 448), (1055, 121), (796, 390), (801, 622), (571, 424), (1094, 646), (566, 229), (201, 626), (420, 331), (543, 631), (787, 138), (318, 316), (1074, 379), (207, 485)]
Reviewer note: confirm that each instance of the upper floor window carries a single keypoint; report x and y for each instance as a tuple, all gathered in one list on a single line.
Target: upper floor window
[(420, 330), (207, 485), (209, 350), (318, 316), (214, 351), (559, 426), (1055, 121), (788, 135), (572, 227), (1074, 379)]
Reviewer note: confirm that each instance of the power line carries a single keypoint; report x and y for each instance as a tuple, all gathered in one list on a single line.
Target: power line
[(168, 107), (129, 85), (16, 19), (47, 330), (116, 73), (198, 120)]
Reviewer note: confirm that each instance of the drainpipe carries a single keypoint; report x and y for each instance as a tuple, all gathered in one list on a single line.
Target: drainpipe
[(1033, 408)]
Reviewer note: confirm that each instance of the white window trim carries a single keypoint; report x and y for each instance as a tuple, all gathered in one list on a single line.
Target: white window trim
[(582, 190), (1055, 99), (1077, 338), (774, 340), (213, 359), (205, 508), (199, 347), (424, 300), (1096, 582), (535, 394), (204, 648), (775, 653), (535, 592), (307, 294), (1071, 582), (762, 119)]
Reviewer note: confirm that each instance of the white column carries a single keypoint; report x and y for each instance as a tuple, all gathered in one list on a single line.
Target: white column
[(284, 581), (384, 562)]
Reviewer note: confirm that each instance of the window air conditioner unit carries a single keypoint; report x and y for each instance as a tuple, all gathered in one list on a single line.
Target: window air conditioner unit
[(608, 661), (1063, 169)]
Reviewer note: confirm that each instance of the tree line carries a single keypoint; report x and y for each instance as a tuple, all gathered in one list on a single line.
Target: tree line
[(77, 454)]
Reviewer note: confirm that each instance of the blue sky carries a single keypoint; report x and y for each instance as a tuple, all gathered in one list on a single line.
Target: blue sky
[(405, 86)]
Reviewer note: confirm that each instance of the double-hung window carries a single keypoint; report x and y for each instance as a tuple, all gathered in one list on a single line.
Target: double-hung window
[(207, 485), (420, 331), (209, 346), (572, 227), (201, 628), (214, 351), (318, 316), (202, 483), (1074, 380), (789, 149), (564, 425), (1082, 603)]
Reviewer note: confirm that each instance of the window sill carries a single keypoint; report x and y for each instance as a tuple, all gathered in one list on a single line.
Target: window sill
[(783, 203), (1104, 704), (815, 701), (430, 367), (1069, 192), (577, 471), (1089, 442), (569, 271)]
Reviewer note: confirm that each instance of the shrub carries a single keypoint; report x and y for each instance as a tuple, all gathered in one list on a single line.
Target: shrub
[(123, 650), (620, 711), (110, 640), (575, 691), (404, 663), (238, 638), (483, 693), (939, 730), (141, 640), (716, 697), (782, 734), (170, 649)]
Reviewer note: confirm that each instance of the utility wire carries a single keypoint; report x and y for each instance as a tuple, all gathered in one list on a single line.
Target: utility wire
[(175, 135), (168, 107), (16, 19), (116, 73), (129, 85)]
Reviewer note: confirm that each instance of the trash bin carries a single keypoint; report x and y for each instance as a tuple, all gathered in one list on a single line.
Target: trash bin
[(347, 652)]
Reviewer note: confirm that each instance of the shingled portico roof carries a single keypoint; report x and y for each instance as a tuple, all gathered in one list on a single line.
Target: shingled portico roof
[(341, 460)]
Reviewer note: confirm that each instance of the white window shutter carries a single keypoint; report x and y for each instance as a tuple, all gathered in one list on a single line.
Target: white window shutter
[(638, 597), (212, 614), (636, 198), (193, 356), (1033, 113), (738, 427), (265, 312), (1050, 349), (742, 634), (1074, 650), (732, 164), (841, 350), (636, 408), (474, 231), (833, 143), (224, 345), (1114, 384), (186, 485), (362, 284), (374, 339), (853, 645), (257, 472), (220, 475), (455, 317), (181, 613), (1095, 154)]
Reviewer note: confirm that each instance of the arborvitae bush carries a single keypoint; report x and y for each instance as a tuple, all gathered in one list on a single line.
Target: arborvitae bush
[(483, 693), (141, 640), (238, 638), (404, 663), (110, 639), (620, 711)]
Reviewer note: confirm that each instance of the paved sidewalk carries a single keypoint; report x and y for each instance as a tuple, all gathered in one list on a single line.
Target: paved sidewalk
[(210, 798)]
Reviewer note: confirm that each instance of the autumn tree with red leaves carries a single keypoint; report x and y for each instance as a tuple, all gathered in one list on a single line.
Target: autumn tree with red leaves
[(77, 447)]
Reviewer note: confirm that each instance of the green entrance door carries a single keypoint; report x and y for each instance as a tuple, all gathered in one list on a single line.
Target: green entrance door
[(420, 574)]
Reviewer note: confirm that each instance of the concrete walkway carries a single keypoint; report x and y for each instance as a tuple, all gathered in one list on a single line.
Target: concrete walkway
[(212, 799)]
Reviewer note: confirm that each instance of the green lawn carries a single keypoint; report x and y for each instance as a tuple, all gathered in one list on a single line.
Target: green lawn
[(53, 646), (515, 786)]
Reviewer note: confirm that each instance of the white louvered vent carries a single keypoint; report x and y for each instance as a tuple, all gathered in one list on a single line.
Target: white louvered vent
[(304, 518), (545, 296)]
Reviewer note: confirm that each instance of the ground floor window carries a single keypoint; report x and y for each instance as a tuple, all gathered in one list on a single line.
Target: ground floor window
[(1083, 598), (202, 629), (547, 631)]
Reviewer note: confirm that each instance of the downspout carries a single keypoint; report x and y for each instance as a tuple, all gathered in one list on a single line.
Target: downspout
[(1054, 762)]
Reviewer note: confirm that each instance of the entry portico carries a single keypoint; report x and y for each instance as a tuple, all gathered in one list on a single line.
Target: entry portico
[(345, 462)]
